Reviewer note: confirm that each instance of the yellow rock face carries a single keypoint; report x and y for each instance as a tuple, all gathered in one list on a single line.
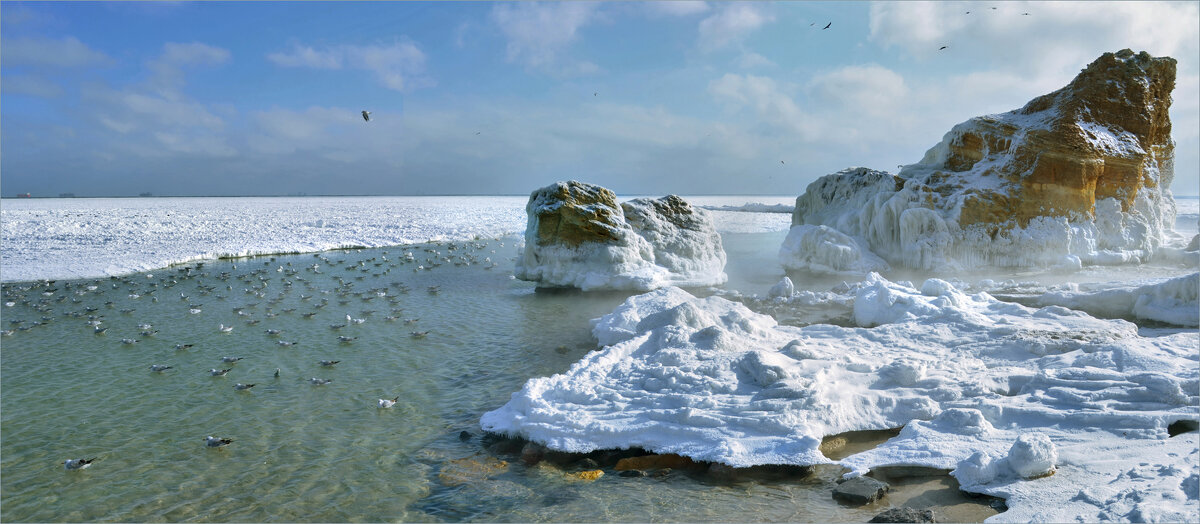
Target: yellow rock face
[(583, 213), (1107, 134), (587, 476)]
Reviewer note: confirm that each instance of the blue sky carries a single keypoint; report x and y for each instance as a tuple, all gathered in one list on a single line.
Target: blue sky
[(252, 98)]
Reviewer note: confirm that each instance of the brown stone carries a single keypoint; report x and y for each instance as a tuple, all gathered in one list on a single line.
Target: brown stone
[(654, 462), (587, 476), (470, 470), (584, 213)]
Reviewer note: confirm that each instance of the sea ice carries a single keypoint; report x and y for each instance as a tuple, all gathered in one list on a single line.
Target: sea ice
[(1172, 301), (966, 375)]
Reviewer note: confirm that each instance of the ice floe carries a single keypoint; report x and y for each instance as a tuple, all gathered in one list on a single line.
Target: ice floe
[(973, 380)]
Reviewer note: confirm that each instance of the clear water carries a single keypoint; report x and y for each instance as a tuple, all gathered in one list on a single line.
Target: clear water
[(309, 453)]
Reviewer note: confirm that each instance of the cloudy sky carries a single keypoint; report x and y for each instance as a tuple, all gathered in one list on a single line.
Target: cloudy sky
[(249, 98)]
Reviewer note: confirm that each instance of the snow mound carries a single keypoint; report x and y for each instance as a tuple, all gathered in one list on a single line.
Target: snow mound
[(966, 375), (825, 250)]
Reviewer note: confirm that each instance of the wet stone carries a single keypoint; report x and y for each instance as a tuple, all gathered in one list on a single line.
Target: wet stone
[(632, 473), (860, 490), (904, 514), (532, 453), (587, 463)]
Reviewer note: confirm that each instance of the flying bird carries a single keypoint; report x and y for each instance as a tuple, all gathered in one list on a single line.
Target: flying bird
[(827, 26), (366, 116), (72, 464), (943, 47), (214, 442)]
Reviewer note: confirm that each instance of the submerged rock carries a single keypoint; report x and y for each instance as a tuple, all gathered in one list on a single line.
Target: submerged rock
[(904, 514), (579, 236), (1082, 171), (860, 490)]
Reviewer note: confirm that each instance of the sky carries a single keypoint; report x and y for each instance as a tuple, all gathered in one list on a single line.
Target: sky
[(264, 98)]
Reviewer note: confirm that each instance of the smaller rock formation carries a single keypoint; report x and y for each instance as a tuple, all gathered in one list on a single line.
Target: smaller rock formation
[(904, 514), (860, 490), (579, 236)]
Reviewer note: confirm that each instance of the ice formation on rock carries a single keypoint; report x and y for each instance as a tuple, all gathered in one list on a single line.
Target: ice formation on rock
[(1084, 171), (966, 375), (824, 249), (1172, 301), (579, 236)]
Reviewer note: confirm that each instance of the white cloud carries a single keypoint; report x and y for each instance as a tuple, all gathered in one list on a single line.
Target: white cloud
[(29, 85), (676, 8), (168, 66), (731, 23), (765, 97), (751, 60), (871, 89), (65, 52), (399, 66), (539, 34)]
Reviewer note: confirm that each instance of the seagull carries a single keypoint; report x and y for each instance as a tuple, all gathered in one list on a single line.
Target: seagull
[(183, 346), (276, 372), (100, 330), (346, 339), (385, 403), (943, 47), (218, 372), (366, 116), (73, 464), (328, 363), (285, 343), (242, 387), (231, 359), (273, 331), (214, 442), (129, 341), (159, 368), (782, 162), (319, 381), (827, 26), (418, 334), (224, 329)]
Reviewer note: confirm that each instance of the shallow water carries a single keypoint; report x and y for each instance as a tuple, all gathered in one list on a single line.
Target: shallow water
[(303, 452)]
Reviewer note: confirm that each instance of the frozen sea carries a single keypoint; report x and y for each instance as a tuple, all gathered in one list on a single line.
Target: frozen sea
[(164, 273)]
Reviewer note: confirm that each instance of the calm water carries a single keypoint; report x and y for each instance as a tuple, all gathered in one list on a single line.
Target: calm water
[(304, 452)]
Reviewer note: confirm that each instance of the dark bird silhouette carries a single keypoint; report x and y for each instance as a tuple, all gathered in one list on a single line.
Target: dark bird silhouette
[(943, 47), (1024, 14), (781, 162), (366, 116), (827, 26)]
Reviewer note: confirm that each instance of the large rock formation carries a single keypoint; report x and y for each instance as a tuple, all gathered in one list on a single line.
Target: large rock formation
[(579, 236), (1080, 174)]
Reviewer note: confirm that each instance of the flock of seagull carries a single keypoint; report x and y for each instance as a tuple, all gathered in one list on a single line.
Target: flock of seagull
[(46, 296)]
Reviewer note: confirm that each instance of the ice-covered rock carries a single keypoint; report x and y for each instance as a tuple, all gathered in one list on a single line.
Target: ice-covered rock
[(966, 375), (825, 250), (1032, 455), (1084, 171), (579, 236), (782, 289)]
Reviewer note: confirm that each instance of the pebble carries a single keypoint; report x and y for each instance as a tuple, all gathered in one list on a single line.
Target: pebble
[(860, 490)]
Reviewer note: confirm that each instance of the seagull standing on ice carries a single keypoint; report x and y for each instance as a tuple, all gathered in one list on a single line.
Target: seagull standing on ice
[(366, 116), (72, 464)]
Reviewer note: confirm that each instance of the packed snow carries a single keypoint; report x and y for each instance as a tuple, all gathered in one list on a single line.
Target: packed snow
[(50, 238), (1063, 414), (1171, 301)]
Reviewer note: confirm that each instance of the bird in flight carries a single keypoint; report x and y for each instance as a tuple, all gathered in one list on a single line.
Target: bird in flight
[(943, 47), (827, 26), (366, 116)]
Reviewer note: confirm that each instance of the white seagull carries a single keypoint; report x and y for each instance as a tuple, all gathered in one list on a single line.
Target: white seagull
[(224, 329), (159, 368), (72, 464), (214, 442), (385, 403), (242, 387)]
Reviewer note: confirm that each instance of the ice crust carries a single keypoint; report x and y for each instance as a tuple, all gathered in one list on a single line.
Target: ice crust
[(967, 375), (823, 249), (1172, 301), (95, 237)]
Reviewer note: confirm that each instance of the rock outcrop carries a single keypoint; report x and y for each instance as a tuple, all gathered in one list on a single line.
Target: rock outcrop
[(1084, 171), (579, 236)]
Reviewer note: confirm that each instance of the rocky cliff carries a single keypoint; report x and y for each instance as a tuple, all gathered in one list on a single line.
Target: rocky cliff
[(1080, 175), (579, 236)]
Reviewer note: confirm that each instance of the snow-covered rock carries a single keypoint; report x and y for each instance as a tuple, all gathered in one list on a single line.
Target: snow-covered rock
[(579, 236), (782, 289), (825, 250), (1084, 171), (966, 375)]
